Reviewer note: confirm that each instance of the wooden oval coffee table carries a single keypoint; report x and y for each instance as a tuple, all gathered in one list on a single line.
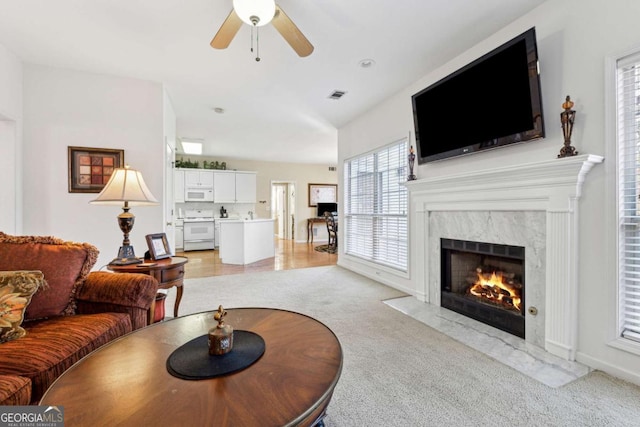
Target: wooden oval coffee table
[(127, 382)]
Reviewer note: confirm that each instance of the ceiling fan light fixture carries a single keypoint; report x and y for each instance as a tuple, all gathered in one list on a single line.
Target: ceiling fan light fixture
[(255, 12)]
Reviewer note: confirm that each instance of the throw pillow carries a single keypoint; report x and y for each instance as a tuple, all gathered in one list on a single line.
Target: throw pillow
[(16, 290), (66, 266)]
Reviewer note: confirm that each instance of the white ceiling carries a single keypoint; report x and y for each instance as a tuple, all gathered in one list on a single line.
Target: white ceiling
[(276, 109)]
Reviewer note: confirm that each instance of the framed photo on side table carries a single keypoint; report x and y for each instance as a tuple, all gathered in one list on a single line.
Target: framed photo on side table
[(322, 193), (158, 246)]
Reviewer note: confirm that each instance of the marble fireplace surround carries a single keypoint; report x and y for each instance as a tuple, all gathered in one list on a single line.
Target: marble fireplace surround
[(538, 199)]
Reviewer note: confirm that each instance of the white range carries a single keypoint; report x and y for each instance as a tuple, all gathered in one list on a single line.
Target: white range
[(198, 229)]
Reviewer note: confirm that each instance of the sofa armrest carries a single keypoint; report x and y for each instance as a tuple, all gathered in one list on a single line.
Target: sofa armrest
[(120, 292), (128, 289)]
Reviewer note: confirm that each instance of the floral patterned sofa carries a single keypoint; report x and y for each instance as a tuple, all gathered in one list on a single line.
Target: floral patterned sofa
[(54, 311)]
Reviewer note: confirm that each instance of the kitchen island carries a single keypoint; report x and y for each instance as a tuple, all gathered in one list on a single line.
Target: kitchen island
[(244, 241)]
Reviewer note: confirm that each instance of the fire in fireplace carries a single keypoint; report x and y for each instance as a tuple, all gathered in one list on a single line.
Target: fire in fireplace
[(484, 281), (497, 289)]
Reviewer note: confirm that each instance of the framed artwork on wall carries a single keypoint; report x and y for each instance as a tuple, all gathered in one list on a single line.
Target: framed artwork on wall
[(158, 246), (322, 193), (91, 168)]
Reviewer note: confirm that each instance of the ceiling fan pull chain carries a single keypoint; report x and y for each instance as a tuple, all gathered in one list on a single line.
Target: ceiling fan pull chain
[(257, 44), (245, 11)]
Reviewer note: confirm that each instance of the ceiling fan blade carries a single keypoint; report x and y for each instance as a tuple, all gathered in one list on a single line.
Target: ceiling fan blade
[(227, 31), (291, 33)]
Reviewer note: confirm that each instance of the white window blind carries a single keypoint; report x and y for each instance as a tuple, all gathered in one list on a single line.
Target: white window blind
[(375, 208), (628, 114)]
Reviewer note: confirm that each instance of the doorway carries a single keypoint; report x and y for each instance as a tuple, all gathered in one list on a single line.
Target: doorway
[(283, 202), (9, 189), (169, 216)]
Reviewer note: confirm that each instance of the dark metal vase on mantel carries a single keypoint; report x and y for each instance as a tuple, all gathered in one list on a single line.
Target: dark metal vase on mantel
[(412, 160), (567, 118)]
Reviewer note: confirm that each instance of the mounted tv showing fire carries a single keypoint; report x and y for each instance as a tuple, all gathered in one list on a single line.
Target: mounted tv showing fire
[(491, 102)]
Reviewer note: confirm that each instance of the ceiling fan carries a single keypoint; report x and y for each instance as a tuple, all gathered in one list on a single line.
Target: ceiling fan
[(258, 13)]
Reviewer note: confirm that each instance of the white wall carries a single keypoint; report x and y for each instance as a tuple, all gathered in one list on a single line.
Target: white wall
[(68, 108), (574, 39), (10, 141)]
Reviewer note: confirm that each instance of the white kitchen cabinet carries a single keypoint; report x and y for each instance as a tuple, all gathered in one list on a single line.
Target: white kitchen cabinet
[(246, 241), (234, 187), (224, 187), (198, 179), (178, 186), (245, 187)]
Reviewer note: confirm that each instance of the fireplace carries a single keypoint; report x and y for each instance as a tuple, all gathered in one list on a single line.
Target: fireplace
[(534, 205), (484, 281)]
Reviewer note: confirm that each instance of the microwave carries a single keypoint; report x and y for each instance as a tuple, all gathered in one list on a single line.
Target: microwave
[(198, 195)]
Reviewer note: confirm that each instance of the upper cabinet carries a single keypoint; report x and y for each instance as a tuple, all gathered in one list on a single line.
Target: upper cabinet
[(245, 187), (224, 187), (227, 186), (234, 187), (198, 179)]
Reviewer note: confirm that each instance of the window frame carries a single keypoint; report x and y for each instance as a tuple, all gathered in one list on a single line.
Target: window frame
[(378, 219), (612, 170)]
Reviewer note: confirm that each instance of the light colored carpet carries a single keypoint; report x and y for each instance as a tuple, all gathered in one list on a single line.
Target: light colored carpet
[(399, 372)]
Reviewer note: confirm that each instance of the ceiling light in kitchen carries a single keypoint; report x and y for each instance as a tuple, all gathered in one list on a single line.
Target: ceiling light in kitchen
[(191, 147)]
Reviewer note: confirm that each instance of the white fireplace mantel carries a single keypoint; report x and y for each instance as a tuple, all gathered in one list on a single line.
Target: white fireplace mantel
[(552, 186)]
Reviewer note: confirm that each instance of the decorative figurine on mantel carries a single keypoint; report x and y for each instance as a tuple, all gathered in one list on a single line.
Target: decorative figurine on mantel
[(221, 335), (566, 119), (412, 160)]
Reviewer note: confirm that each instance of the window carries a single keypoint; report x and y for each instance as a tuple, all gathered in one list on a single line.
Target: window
[(375, 207), (628, 128)]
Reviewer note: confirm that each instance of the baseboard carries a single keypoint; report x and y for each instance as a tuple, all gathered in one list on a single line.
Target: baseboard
[(603, 366), (367, 273), (559, 350)]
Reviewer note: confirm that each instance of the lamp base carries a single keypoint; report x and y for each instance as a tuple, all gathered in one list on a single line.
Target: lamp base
[(126, 251), (126, 256)]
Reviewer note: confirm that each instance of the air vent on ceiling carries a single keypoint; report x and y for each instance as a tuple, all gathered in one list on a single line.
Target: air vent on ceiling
[(337, 94)]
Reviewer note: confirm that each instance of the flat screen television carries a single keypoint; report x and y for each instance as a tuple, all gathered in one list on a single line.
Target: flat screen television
[(491, 102), (327, 207)]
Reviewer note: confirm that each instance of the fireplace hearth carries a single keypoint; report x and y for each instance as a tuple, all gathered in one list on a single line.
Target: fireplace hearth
[(484, 281)]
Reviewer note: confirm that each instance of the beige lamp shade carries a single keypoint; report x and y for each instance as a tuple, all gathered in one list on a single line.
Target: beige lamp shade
[(125, 185), (125, 188)]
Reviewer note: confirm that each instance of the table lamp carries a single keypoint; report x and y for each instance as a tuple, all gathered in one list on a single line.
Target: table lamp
[(125, 187)]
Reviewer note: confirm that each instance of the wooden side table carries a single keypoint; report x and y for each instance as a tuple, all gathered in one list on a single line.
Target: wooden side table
[(168, 272)]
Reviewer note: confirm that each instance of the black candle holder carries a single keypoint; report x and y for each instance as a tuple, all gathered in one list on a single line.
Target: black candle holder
[(412, 160), (567, 118)]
